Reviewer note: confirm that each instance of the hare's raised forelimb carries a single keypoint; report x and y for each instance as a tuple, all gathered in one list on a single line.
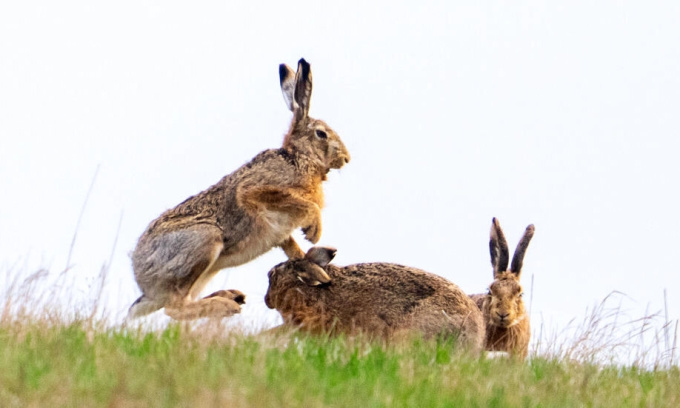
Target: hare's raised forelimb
[(289, 201), (292, 249)]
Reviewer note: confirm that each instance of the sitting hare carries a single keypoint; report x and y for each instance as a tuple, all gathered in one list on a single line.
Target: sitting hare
[(244, 215), (377, 299), (506, 319)]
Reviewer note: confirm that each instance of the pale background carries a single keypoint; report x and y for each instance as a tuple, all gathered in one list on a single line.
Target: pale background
[(562, 115)]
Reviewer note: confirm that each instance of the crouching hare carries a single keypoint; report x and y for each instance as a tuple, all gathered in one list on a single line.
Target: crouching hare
[(376, 299), (244, 215), (505, 318)]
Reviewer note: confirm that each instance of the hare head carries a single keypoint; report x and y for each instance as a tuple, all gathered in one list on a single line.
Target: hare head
[(309, 270), (504, 304), (309, 136)]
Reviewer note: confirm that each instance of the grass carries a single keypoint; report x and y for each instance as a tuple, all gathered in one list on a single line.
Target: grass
[(70, 365), (609, 335)]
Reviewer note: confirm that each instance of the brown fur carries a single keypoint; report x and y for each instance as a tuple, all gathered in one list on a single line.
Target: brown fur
[(376, 299), (242, 216), (505, 317)]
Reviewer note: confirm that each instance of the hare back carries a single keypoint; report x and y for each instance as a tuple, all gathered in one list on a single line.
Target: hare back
[(479, 298), (218, 204), (381, 299)]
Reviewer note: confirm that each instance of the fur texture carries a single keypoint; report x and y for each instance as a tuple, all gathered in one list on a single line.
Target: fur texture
[(505, 317), (376, 299), (244, 215)]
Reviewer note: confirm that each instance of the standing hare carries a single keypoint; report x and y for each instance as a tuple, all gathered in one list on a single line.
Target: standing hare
[(244, 215), (376, 299), (506, 319)]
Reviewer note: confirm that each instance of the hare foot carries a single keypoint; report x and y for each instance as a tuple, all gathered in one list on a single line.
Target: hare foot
[(216, 306), (233, 294)]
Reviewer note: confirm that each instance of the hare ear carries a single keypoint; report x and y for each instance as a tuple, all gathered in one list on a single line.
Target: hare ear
[(321, 256), (498, 247), (303, 89), (518, 257), (287, 79), (311, 274)]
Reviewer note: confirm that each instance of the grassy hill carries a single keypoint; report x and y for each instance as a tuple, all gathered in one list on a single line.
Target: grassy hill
[(69, 365)]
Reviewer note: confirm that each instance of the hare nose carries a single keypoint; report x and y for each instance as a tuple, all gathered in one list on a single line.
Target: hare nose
[(502, 316)]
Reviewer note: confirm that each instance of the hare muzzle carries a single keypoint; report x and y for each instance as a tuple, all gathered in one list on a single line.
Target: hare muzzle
[(339, 153)]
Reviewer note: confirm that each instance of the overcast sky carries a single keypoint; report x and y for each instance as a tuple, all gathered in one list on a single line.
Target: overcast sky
[(564, 116)]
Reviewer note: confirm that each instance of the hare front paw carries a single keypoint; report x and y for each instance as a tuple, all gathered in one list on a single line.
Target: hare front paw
[(312, 233)]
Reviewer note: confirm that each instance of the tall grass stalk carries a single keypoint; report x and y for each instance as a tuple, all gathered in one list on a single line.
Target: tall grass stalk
[(608, 334)]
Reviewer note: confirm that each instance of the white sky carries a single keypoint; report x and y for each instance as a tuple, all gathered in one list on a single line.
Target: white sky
[(565, 116)]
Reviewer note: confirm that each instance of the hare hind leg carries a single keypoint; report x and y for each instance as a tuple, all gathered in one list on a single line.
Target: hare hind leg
[(223, 303), (233, 294), (203, 258), (213, 307)]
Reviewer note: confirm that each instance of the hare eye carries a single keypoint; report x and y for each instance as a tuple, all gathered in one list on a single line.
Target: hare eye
[(321, 134), (488, 292), (521, 294)]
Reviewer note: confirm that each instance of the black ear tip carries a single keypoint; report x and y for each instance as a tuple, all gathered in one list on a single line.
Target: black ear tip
[(283, 72), (304, 67)]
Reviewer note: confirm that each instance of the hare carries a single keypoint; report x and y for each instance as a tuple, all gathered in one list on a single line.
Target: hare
[(506, 319), (380, 300), (244, 215)]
